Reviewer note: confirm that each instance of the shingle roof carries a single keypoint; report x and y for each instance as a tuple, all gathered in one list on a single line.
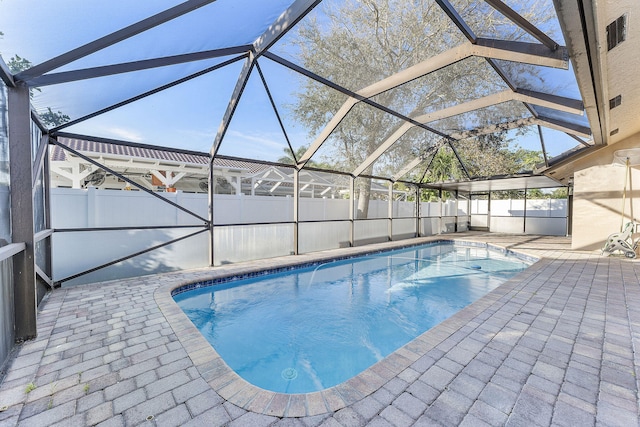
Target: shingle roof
[(95, 147)]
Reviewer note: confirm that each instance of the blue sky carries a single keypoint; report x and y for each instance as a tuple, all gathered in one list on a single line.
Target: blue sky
[(188, 115)]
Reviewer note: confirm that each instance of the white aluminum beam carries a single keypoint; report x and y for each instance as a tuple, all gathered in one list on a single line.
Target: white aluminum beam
[(510, 51), (530, 121), (408, 167), (567, 128), (484, 102), (496, 128), (527, 53), (44, 277), (327, 130), (278, 184), (404, 128), (170, 179), (580, 29)]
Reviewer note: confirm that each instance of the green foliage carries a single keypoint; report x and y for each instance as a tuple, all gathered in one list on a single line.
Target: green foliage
[(536, 193), (53, 119), (533, 193), (289, 159), (50, 118), (560, 193), (428, 195), (444, 167), (29, 388), (506, 195), (364, 41), (557, 193), (528, 160), (18, 64)]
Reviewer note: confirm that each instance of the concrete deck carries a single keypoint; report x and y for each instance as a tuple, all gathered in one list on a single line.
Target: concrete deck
[(553, 346)]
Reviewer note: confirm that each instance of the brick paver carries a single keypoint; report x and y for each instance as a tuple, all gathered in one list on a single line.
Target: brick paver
[(553, 346)]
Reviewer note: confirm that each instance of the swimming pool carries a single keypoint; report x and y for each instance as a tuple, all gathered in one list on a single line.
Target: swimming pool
[(312, 328)]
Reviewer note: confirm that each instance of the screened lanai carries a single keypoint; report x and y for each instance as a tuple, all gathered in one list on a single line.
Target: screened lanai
[(146, 146), (357, 116), (366, 95)]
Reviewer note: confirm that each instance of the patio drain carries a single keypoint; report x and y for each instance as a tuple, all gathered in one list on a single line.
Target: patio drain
[(289, 374)]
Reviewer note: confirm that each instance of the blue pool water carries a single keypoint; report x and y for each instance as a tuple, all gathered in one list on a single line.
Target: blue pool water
[(312, 328)]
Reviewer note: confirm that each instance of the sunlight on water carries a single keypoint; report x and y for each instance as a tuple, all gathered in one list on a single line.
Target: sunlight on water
[(313, 328)]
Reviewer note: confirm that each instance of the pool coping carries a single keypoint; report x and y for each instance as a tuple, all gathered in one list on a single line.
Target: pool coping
[(236, 390)]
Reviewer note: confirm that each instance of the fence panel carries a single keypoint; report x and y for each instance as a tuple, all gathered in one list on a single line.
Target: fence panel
[(404, 228), (547, 226), (251, 242), (320, 236), (6, 309), (323, 209), (371, 231), (77, 251)]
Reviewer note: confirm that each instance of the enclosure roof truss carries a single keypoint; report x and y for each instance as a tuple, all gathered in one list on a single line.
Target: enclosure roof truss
[(543, 52)]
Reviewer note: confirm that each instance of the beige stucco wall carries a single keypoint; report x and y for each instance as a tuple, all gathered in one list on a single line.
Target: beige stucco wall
[(598, 189)]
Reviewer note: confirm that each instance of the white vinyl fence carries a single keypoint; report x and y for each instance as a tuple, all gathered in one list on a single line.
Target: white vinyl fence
[(538, 216), (247, 227)]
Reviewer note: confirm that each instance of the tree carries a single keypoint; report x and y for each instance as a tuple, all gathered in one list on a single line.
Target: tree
[(54, 119), (289, 159), (443, 168), (17, 64), (364, 41), (560, 193), (50, 118), (528, 160)]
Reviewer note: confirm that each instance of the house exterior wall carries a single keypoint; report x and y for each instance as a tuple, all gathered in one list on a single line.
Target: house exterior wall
[(598, 195)]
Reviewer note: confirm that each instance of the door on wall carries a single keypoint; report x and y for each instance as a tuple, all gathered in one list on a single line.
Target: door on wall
[(480, 213)]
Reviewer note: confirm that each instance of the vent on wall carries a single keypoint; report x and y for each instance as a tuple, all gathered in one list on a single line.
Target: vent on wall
[(614, 102), (616, 32)]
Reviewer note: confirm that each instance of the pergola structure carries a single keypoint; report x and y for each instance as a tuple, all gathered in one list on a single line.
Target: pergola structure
[(99, 76), (159, 170)]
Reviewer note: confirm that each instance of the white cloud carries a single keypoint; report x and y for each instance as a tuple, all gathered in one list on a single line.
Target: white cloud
[(263, 140), (125, 134)]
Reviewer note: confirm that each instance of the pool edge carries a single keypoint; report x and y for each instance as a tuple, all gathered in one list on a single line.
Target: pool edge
[(236, 390)]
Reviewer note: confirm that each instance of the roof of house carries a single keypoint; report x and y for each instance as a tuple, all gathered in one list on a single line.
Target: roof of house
[(93, 148)]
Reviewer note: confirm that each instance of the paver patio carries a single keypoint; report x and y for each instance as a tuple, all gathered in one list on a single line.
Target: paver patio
[(553, 346)]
